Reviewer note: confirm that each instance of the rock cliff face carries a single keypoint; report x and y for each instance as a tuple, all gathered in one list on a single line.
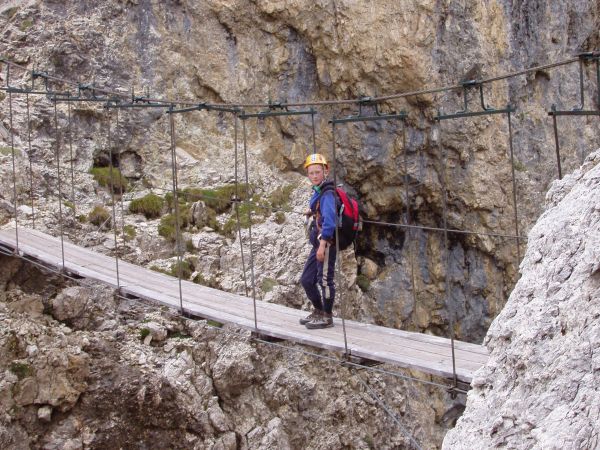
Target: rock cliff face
[(228, 51), (540, 387), (294, 50), (80, 368)]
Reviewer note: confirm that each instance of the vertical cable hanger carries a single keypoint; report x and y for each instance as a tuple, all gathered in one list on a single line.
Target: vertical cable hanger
[(488, 110), (12, 149), (176, 202), (236, 199), (375, 115), (275, 109), (59, 180), (252, 280), (141, 102), (112, 195), (30, 155), (584, 58), (466, 112)]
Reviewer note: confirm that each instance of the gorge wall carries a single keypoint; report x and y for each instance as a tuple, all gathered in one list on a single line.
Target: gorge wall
[(256, 51), (539, 389)]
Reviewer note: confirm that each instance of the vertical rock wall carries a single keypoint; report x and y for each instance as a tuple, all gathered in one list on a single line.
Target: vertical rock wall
[(539, 389)]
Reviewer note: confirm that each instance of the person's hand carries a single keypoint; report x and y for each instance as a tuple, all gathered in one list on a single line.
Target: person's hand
[(321, 251)]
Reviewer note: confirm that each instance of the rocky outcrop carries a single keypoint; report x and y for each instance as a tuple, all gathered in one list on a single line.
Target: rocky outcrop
[(539, 389), (81, 368)]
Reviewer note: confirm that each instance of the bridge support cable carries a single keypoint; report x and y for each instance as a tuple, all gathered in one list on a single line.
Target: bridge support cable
[(121, 174), (488, 110), (249, 212), (14, 170), (450, 309), (275, 110), (514, 187), (412, 244), (464, 113), (59, 182), (236, 203), (112, 195), (337, 249), (13, 155), (359, 117), (29, 157), (70, 131), (579, 110), (176, 202)]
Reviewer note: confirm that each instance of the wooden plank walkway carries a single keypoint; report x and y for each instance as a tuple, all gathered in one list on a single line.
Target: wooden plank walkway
[(426, 353)]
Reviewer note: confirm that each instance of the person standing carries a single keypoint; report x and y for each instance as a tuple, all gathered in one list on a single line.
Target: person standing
[(318, 276)]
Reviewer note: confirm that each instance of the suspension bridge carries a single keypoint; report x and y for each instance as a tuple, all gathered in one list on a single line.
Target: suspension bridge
[(427, 353), (446, 358)]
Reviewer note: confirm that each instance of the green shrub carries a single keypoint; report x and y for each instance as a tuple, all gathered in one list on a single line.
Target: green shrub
[(7, 151), (280, 197), (100, 216), (519, 166), (21, 370), (82, 218), (279, 217), (249, 213), (179, 335), (129, 232), (186, 269), (150, 206), (102, 176), (166, 227), (169, 200), (69, 204), (144, 332), (189, 246), (268, 284), (211, 282), (160, 270), (26, 25), (218, 199), (363, 282)]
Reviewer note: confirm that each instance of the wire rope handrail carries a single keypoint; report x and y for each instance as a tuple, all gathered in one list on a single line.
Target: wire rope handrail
[(125, 95)]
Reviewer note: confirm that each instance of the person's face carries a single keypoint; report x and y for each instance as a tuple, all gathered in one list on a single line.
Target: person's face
[(316, 174)]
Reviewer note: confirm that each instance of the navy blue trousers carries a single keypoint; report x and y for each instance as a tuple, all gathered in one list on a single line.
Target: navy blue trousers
[(318, 278)]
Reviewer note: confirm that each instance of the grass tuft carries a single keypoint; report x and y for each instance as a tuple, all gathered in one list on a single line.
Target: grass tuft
[(100, 216), (150, 206), (102, 175)]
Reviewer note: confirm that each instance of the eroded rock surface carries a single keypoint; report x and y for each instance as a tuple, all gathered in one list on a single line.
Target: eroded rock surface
[(540, 388), (94, 379)]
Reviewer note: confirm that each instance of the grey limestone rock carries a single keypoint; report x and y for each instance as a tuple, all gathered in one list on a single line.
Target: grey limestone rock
[(541, 388)]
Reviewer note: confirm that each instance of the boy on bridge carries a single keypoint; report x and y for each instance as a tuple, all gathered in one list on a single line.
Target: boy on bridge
[(319, 270)]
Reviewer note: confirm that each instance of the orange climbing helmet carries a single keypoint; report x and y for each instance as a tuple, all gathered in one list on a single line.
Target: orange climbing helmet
[(315, 158)]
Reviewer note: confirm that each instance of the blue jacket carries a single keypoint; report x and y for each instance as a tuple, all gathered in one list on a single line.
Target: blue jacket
[(327, 211)]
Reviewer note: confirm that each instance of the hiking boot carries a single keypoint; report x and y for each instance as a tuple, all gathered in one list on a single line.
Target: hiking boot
[(312, 316), (323, 321)]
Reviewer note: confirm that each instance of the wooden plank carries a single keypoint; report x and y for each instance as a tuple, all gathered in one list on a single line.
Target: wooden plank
[(428, 353)]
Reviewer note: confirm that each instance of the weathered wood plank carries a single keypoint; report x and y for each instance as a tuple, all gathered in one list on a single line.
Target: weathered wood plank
[(430, 354)]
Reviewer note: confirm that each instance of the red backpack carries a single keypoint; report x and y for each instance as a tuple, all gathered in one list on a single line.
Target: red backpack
[(349, 222)]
